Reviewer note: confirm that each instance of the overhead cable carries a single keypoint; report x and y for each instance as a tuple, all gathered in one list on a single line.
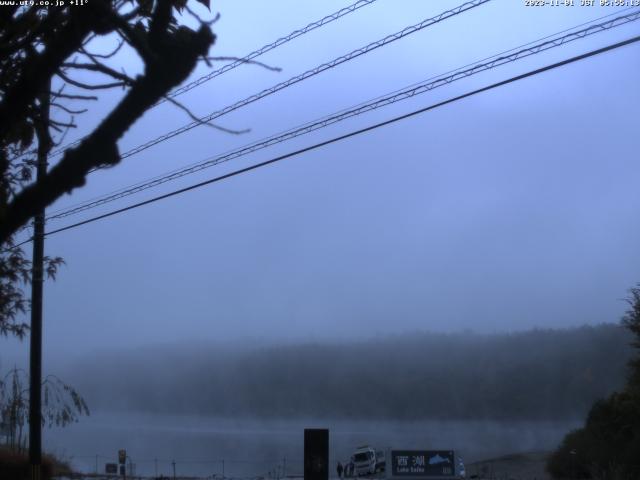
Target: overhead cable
[(249, 57), (409, 92), (351, 134), (270, 46), (306, 75)]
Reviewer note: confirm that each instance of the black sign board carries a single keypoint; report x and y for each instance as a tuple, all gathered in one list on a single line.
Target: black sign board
[(422, 463), (316, 454), (111, 468)]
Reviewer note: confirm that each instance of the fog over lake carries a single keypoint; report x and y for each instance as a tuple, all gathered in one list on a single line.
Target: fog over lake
[(481, 395), (252, 447)]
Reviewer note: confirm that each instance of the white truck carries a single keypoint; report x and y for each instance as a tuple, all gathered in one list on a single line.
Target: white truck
[(366, 460)]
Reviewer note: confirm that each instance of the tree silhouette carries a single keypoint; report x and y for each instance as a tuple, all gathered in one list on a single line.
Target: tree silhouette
[(62, 405), (41, 46), (37, 43), (607, 446)]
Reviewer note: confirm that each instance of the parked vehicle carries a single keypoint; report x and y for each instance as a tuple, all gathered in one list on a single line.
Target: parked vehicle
[(368, 461), (460, 470)]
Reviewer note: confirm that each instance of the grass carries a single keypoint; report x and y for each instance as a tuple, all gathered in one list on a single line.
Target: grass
[(15, 465)]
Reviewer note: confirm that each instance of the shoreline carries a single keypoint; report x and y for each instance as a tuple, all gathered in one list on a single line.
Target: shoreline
[(516, 466)]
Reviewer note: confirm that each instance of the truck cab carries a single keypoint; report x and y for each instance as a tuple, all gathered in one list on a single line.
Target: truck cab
[(364, 460)]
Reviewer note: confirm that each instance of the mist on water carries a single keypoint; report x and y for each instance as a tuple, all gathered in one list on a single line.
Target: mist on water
[(246, 407)]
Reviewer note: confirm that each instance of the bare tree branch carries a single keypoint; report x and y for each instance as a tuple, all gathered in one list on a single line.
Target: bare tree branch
[(200, 20), (174, 54), (133, 38), (57, 143), (38, 69), (75, 97), (104, 55), (98, 67), (200, 121), (248, 62), (87, 86), (68, 110)]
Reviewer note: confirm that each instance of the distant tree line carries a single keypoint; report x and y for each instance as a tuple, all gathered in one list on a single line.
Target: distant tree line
[(533, 375)]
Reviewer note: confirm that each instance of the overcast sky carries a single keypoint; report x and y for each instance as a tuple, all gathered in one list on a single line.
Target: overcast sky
[(513, 209)]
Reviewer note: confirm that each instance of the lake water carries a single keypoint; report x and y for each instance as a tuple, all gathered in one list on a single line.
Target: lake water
[(208, 446)]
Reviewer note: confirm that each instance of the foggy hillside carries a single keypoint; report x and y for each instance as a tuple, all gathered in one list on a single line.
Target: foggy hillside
[(538, 374)]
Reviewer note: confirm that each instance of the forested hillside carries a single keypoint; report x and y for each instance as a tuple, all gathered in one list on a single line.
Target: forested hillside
[(538, 374)]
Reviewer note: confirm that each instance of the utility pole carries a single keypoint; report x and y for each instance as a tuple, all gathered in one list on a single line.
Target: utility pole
[(37, 267), (174, 469)]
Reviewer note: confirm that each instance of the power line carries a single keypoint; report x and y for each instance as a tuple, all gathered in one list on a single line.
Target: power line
[(306, 75), (252, 55), (353, 133), (249, 57), (266, 48), (211, 161), (379, 102)]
